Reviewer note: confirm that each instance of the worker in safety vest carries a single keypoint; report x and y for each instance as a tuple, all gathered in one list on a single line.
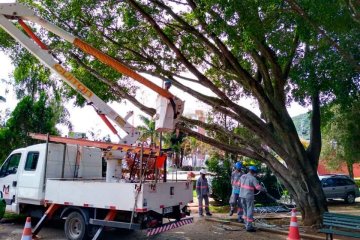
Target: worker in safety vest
[(248, 184), (167, 84), (234, 198), (202, 191)]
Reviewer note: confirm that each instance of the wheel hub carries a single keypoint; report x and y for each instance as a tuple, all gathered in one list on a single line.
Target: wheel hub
[(75, 228)]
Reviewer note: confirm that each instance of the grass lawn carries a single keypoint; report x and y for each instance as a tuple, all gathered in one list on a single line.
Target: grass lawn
[(219, 209), (13, 215)]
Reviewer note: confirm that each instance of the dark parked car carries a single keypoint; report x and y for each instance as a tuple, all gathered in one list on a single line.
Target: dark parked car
[(339, 186)]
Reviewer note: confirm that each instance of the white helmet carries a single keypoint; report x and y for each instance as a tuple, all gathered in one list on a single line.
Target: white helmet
[(202, 171)]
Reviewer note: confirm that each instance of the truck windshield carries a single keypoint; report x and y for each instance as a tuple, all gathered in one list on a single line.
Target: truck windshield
[(10, 165)]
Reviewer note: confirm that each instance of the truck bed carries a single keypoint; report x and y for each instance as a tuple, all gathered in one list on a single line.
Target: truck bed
[(120, 196)]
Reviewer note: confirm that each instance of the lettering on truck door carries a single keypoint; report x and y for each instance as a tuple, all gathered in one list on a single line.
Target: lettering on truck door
[(8, 178)]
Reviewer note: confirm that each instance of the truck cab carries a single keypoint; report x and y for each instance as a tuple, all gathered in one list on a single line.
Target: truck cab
[(23, 174), (9, 179)]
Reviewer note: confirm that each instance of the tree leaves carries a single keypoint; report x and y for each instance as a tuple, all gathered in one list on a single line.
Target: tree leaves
[(28, 116), (342, 136)]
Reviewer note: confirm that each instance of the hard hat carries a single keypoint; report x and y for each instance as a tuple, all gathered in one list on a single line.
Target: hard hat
[(238, 165), (253, 168), (167, 82), (202, 171)]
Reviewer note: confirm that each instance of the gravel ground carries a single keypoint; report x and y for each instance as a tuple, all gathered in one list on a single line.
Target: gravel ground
[(11, 229), (200, 229)]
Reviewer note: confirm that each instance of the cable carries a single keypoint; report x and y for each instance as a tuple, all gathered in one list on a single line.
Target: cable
[(138, 190), (227, 228), (307, 187), (263, 211)]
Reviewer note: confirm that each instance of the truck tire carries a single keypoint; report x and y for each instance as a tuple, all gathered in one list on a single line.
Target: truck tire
[(75, 227)]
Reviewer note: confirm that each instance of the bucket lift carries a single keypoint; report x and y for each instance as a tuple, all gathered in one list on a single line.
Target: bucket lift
[(168, 110)]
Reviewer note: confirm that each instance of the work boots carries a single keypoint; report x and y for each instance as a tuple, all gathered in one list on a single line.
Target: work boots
[(231, 212)]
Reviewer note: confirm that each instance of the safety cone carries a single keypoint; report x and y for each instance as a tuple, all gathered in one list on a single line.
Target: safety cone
[(27, 234), (294, 228)]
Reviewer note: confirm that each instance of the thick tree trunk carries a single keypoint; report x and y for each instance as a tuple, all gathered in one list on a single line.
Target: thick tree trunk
[(304, 183), (310, 198), (305, 188), (350, 169)]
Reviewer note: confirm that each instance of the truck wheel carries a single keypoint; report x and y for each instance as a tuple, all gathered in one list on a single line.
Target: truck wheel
[(350, 198), (75, 227)]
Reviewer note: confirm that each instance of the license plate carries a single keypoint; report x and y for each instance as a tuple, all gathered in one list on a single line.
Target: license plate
[(168, 210)]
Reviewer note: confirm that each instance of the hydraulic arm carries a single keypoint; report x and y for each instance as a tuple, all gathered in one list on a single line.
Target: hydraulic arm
[(169, 107)]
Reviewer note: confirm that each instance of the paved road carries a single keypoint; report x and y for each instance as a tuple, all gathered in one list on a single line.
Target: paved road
[(200, 229)]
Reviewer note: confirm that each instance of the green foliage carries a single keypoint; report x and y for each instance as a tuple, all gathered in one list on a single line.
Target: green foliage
[(302, 124), (2, 207), (221, 185), (28, 116), (148, 130), (357, 182), (342, 136), (272, 185), (220, 182), (266, 49)]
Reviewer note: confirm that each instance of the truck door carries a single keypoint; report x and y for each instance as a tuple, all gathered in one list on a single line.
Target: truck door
[(8, 179)]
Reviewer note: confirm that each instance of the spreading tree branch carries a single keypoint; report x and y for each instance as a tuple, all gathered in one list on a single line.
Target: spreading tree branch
[(288, 64), (297, 8), (179, 54), (314, 149), (118, 89)]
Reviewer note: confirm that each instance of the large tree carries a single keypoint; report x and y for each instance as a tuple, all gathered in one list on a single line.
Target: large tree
[(273, 51)]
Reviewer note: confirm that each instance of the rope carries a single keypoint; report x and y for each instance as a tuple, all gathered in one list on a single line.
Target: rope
[(307, 187), (269, 210), (137, 190), (227, 228)]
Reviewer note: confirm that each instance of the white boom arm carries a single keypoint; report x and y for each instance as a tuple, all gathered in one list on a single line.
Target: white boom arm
[(165, 107), (47, 59), (169, 108)]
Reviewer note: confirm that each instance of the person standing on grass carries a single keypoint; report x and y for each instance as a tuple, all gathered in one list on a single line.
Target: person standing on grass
[(234, 198), (202, 191)]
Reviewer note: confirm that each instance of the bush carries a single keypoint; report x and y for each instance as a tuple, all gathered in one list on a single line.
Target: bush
[(273, 187), (221, 186), (220, 183), (357, 182)]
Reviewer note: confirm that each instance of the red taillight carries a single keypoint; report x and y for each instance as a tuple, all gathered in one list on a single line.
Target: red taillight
[(152, 223)]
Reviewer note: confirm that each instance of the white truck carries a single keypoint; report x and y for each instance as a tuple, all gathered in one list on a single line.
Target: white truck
[(65, 181)]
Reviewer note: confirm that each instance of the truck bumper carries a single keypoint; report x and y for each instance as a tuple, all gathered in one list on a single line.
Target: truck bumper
[(168, 226)]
